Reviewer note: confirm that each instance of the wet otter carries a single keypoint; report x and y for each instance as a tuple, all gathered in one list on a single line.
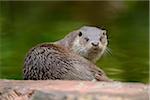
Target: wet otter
[(69, 58)]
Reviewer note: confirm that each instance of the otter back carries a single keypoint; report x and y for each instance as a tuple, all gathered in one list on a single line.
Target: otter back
[(50, 61)]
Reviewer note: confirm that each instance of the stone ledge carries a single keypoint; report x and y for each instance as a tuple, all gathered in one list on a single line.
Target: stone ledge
[(71, 90)]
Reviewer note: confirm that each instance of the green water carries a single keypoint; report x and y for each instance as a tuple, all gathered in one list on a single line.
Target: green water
[(25, 24)]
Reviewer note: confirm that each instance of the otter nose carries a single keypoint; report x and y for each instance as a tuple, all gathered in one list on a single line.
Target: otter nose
[(95, 43)]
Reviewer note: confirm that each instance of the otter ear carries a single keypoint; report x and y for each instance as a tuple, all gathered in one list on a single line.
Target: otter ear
[(104, 32)]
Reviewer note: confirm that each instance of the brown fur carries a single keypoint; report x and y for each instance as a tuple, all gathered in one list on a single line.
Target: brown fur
[(56, 61)]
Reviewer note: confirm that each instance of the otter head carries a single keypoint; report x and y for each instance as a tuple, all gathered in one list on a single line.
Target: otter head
[(90, 42)]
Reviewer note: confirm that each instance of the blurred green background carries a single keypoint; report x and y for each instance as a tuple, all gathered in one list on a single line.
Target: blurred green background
[(23, 24)]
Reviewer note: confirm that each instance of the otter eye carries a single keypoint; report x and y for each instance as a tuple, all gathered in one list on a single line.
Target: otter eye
[(87, 39), (104, 32), (80, 34), (100, 38)]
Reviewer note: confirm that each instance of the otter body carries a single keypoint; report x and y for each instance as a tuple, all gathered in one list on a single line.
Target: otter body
[(67, 59)]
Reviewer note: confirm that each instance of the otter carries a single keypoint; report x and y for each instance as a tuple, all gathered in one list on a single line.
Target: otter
[(71, 58)]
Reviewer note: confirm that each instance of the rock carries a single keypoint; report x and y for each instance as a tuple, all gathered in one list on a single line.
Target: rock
[(71, 90)]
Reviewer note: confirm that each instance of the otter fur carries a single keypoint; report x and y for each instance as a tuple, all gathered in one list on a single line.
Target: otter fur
[(71, 58)]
